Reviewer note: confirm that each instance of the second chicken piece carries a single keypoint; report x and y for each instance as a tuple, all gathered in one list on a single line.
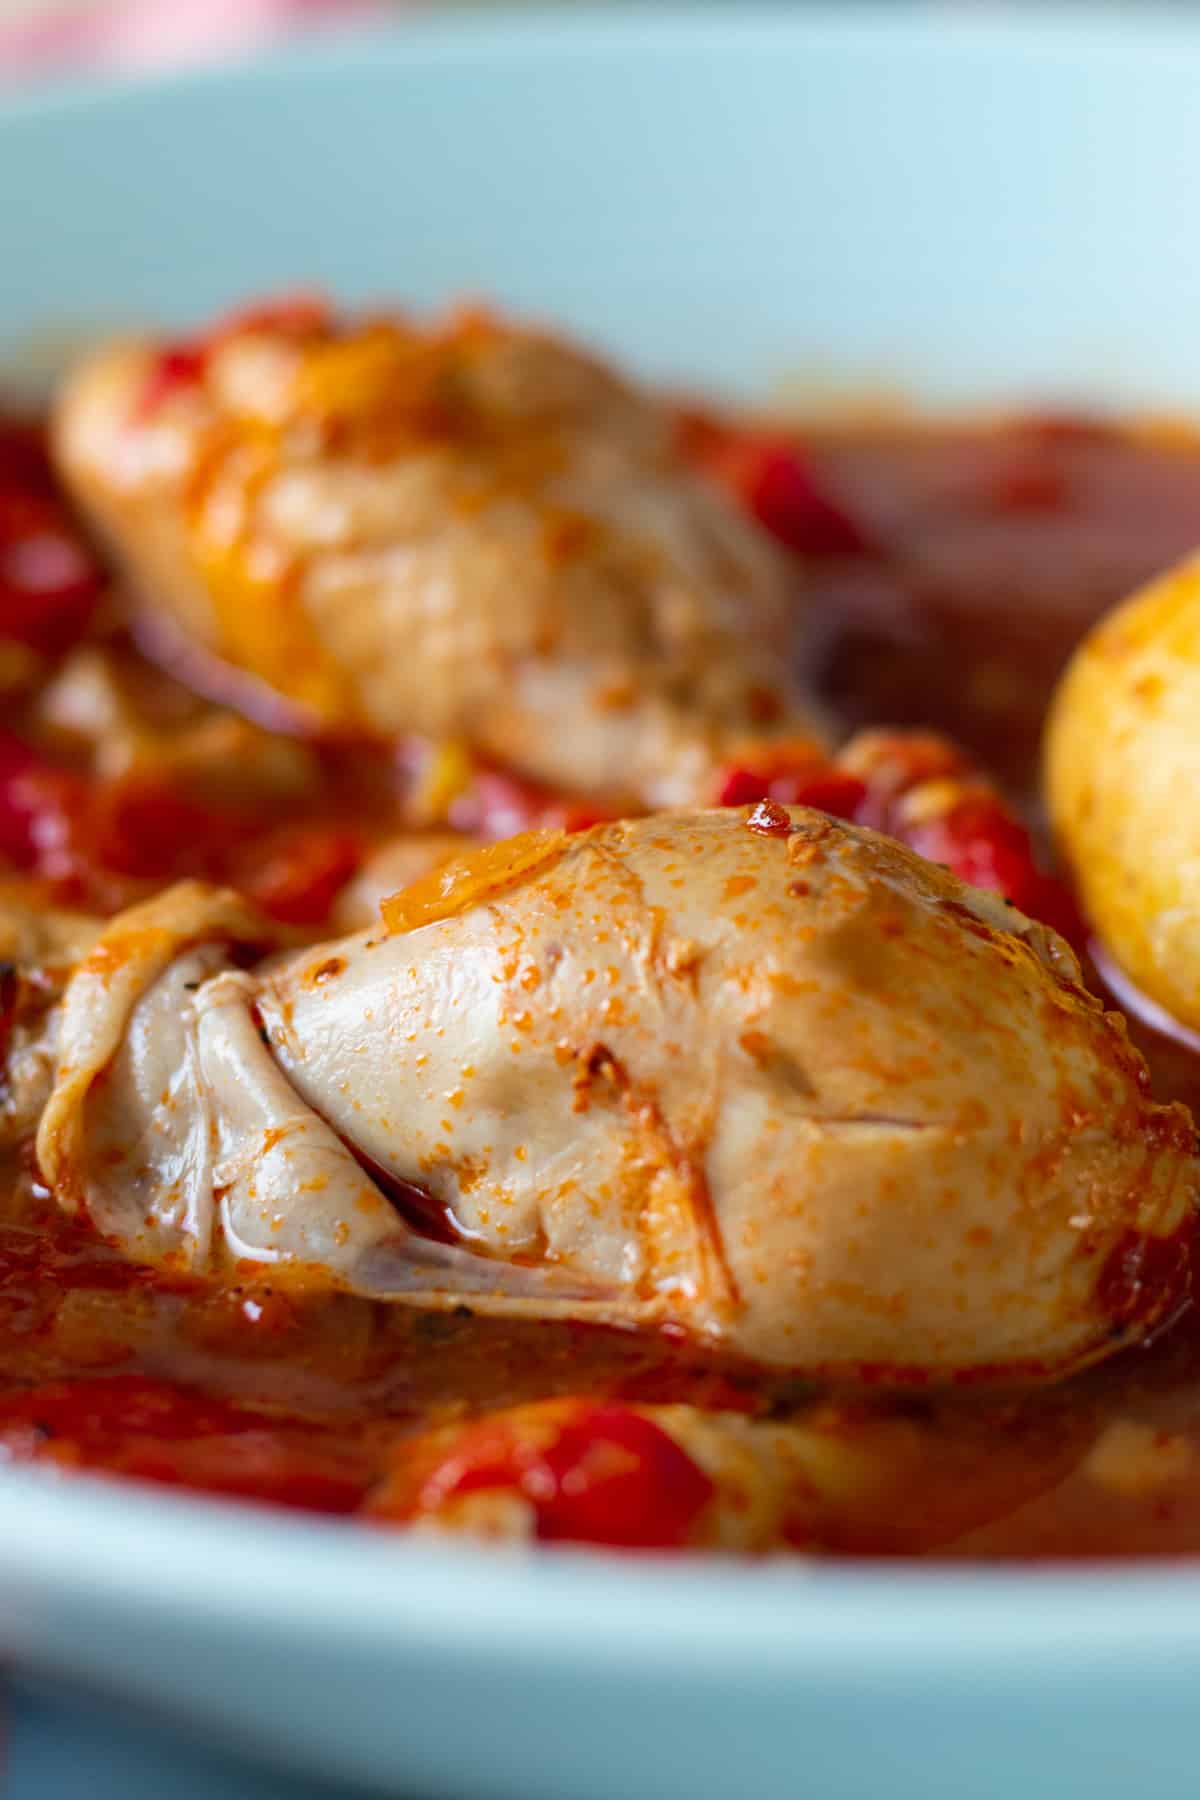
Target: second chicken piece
[(463, 530)]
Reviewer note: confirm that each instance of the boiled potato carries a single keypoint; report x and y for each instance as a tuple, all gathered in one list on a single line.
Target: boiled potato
[(1122, 771)]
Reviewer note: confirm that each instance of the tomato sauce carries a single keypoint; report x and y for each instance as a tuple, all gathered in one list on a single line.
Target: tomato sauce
[(999, 548), (950, 570)]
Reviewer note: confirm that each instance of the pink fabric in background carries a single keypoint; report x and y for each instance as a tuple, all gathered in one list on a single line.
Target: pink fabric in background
[(115, 35)]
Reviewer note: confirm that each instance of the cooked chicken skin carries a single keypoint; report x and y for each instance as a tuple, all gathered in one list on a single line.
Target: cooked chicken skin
[(770, 1078), (466, 530)]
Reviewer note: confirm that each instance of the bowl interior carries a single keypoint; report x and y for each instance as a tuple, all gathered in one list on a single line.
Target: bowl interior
[(965, 212)]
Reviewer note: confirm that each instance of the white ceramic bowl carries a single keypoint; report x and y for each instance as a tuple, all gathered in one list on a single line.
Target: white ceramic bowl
[(961, 206)]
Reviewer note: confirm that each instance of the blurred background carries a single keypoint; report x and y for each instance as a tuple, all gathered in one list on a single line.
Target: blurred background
[(42, 38), (39, 38)]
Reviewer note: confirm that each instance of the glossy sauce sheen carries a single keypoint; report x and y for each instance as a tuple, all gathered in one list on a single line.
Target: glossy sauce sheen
[(982, 550)]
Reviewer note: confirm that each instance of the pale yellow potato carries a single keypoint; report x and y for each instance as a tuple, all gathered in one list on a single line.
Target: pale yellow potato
[(1122, 773)]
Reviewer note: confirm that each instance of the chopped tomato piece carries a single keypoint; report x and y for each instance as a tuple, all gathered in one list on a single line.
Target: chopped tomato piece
[(830, 790), (500, 805), (91, 1414), (55, 807), (898, 761), (49, 579), (775, 482), (617, 1478), (178, 366), (827, 788), (132, 1425), (42, 808), (150, 830), (742, 787), (610, 1476), (92, 838), (981, 843), (298, 873), (182, 364), (969, 829), (17, 760), (60, 824)]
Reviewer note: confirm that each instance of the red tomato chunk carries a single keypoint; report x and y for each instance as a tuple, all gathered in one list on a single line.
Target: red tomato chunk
[(774, 481), (609, 1477), (181, 365), (131, 1425), (49, 579), (971, 830)]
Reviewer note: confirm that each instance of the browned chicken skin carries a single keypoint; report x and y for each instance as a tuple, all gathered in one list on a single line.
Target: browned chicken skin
[(770, 1078), (466, 530)]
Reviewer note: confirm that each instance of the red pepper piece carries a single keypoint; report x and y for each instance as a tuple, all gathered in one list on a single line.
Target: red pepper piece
[(610, 1476)]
